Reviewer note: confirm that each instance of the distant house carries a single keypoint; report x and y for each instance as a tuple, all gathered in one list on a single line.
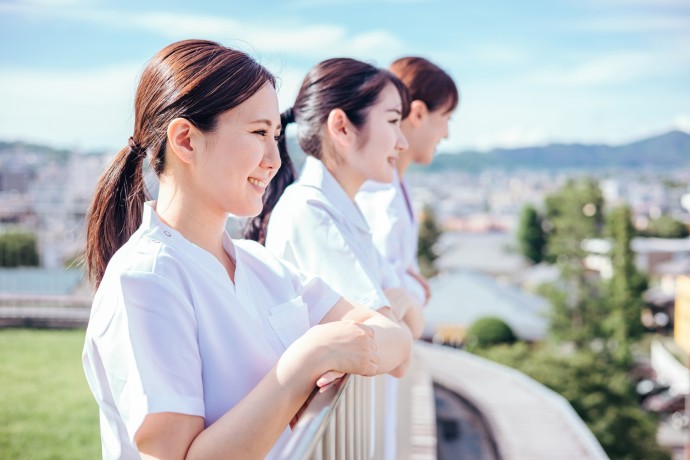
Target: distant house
[(652, 255)]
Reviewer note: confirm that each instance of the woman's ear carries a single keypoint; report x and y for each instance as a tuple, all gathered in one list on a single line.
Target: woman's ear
[(181, 142), (418, 111), (339, 128)]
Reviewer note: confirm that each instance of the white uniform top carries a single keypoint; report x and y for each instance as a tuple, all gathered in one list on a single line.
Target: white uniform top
[(316, 226), (388, 211), (170, 332)]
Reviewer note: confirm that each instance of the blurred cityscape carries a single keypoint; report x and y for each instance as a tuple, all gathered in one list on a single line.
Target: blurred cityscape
[(481, 270)]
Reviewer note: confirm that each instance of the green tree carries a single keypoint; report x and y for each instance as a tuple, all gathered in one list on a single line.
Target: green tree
[(624, 291), (531, 235), (574, 213), (665, 227), (18, 249), (429, 233)]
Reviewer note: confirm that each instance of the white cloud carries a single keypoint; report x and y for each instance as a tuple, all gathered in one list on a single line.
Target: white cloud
[(604, 69), (682, 122), (91, 109), (314, 41)]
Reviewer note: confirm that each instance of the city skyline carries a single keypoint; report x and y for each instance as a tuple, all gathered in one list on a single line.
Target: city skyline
[(530, 74)]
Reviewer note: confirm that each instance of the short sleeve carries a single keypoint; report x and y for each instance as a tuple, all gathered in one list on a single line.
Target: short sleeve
[(315, 292), (324, 251), (149, 351)]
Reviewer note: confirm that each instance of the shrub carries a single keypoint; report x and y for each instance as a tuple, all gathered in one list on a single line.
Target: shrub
[(488, 331)]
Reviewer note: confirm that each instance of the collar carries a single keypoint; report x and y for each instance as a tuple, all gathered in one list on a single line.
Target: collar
[(153, 227), (316, 175)]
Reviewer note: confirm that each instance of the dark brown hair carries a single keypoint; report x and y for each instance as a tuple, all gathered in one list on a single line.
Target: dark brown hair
[(427, 82), (340, 83), (193, 79)]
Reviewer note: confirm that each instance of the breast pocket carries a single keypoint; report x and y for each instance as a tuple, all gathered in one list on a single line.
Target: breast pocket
[(289, 320)]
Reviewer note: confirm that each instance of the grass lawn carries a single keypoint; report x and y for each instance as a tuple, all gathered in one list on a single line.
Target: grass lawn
[(46, 408)]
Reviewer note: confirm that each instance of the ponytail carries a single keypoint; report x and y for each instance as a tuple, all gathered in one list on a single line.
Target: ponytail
[(256, 227), (116, 209)]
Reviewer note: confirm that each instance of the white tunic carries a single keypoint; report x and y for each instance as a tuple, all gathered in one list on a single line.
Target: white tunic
[(388, 211), (316, 226), (170, 332), (321, 230)]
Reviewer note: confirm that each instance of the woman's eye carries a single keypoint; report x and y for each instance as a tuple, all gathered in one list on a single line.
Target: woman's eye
[(276, 138), (261, 132), (395, 122)]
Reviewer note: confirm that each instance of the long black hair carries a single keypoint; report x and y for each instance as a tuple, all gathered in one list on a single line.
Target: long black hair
[(340, 83)]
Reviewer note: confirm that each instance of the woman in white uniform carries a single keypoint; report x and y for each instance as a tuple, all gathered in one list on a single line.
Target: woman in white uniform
[(199, 346), (348, 116), (387, 207)]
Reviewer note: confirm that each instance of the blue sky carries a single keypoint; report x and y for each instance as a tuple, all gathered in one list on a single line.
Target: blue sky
[(530, 72)]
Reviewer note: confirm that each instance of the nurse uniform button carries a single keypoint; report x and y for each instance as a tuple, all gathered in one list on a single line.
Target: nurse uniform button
[(167, 233)]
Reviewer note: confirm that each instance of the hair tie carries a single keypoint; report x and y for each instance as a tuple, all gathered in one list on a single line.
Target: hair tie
[(289, 116), (136, 148)]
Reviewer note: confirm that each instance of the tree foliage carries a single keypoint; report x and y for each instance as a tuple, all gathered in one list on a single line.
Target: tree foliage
[(18, 249), (625, 289), (665, 227), (429, 233), (531, 235), (597, 389)]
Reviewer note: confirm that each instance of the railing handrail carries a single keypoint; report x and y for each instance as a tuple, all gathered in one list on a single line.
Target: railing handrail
[(313, 419)]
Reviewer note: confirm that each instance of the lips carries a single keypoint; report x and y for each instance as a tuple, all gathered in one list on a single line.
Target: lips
[(258, 182)]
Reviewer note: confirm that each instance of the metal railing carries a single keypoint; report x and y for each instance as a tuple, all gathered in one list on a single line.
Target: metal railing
[(336, 422)]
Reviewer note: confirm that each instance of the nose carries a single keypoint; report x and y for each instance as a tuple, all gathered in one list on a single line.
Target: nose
[(401, 143), (272, 157)]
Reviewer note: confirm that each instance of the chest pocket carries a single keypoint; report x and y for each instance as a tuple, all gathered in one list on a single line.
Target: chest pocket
[(289, 320)]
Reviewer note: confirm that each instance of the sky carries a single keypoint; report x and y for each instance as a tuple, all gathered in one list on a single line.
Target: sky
[(530, 73)]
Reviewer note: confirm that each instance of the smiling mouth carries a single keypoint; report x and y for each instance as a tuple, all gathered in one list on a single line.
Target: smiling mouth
[(258, 182), (393, 161)]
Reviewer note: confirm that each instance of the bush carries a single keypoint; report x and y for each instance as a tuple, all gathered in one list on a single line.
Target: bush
[(488, 331), (18, 249)]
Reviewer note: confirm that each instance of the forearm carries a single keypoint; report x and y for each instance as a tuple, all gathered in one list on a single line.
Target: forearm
[(252, 427), (414, 319)]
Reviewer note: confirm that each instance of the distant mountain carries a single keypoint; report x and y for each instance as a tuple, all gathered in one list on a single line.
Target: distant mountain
[(667, 151), (670, 150)]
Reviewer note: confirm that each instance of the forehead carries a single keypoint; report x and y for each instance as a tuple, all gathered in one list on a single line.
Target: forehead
[(262, 105), (389, 98)]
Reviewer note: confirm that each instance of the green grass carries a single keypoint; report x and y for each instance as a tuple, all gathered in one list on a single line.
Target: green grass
[(46, 408)]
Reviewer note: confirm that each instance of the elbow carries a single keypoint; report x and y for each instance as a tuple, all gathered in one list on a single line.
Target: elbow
[(401, 370)]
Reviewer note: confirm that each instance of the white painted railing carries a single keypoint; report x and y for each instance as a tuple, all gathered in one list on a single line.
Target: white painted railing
[(336, 423)]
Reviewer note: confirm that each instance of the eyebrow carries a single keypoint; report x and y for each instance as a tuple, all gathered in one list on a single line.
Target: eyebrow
[(266, 122), (398, 111)]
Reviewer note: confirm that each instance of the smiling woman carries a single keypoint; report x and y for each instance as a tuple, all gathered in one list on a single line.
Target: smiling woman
[(199, 346), (348, 115)]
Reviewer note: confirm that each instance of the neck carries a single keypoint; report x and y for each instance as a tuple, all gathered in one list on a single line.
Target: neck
[(348, 179), (186, 213)]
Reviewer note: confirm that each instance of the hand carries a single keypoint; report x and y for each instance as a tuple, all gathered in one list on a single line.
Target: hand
[(345, 347), (421, 280)]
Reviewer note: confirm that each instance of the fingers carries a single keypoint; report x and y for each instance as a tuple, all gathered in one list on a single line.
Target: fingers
[(328, 377)]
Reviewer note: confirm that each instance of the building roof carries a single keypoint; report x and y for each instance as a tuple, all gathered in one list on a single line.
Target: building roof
[(462, 297)]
